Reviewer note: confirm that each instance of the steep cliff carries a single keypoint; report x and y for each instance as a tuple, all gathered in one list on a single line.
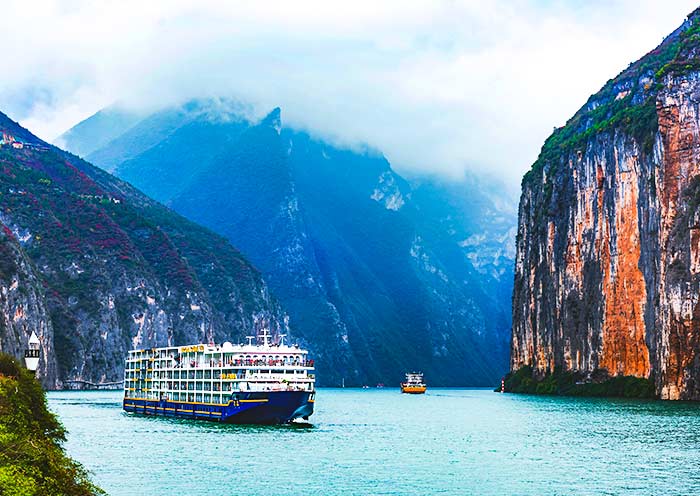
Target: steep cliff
[(607, 272), (23, 305), (379, 274), (97, 268)]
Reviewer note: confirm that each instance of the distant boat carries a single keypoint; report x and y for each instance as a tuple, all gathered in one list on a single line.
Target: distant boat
[(414, 384)]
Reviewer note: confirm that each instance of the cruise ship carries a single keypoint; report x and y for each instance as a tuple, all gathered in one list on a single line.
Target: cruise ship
[(261, 383)]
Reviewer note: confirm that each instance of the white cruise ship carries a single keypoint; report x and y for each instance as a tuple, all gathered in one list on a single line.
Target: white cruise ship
[(252, 383)]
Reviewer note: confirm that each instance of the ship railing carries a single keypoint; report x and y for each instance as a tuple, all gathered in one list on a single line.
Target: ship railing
[(238, 362), (193, 364), (275, 387)]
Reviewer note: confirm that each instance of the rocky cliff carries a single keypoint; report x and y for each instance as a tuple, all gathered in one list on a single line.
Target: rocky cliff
[(97, 268), (607, 277), (23, 305)]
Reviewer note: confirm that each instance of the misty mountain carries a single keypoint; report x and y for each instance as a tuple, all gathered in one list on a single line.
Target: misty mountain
[(379, 274), (96, 268)]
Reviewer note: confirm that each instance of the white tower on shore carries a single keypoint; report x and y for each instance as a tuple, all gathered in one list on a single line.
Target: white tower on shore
[(31, 354)]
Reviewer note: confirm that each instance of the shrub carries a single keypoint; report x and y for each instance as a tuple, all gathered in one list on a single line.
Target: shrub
[(32, 460), (570, 384)]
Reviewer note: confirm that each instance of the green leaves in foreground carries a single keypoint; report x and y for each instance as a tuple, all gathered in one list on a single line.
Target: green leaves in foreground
[(32, 461)]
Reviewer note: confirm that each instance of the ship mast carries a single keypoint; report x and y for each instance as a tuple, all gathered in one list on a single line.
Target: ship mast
[(265, 335)]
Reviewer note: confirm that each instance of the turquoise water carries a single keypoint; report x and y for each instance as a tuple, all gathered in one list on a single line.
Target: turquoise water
[(381, 442)]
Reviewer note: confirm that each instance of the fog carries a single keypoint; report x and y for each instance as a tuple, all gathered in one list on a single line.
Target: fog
[(439, 87)]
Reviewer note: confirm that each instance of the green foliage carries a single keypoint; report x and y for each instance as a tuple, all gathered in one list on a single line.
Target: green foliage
[(683, 60), (655, 60), (32, 461), (639, 121), (635, 114), (8, 257), (570, 384)]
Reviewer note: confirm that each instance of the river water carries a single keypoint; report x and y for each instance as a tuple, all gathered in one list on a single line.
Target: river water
[(368, 442)]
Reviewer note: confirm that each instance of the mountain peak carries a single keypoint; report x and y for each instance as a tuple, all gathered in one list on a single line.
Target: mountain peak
[(274, 120), (694, 15)]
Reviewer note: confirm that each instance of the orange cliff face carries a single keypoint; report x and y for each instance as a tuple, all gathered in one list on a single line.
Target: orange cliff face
[(624, 350), (607, 276), (580, 295), (679, 238)]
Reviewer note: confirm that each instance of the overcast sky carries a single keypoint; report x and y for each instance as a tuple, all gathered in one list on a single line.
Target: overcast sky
[(437, 86)]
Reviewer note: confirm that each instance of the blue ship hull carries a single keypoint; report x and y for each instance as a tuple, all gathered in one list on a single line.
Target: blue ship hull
[(273, 407)]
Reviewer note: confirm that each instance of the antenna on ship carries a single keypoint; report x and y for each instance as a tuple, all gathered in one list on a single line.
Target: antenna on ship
[(282, 336), (265, 335), (250, 340)]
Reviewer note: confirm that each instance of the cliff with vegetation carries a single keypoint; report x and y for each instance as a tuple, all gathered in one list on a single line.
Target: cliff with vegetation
[(32, 461), (607, 277), (96, 268)]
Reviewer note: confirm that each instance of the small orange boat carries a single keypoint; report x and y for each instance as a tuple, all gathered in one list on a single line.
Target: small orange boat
[(414, 384)]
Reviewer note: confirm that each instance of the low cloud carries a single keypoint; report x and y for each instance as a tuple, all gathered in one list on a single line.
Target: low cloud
[(437, 86)]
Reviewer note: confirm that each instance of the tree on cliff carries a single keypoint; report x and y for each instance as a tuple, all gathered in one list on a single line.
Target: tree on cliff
[(32, 460)]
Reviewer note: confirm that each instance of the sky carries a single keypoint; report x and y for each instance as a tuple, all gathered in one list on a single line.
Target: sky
[(438, 86)]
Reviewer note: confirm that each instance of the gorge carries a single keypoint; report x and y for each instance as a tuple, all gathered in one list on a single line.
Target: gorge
[(379, 273)]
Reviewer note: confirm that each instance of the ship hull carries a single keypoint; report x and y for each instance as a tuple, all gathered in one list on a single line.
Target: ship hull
[(413, 389), (273, 407)]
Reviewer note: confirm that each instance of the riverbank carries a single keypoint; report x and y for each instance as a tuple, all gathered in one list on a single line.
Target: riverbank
[(569, 384), (32, 459)]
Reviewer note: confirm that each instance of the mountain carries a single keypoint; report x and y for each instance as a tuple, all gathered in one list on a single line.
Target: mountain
[(380, 275), (97, 268), (104, 126), (607, 270)]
